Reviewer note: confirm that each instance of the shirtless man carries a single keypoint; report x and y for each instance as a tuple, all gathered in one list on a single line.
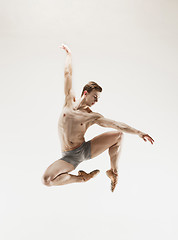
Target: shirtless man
[(75, 119)]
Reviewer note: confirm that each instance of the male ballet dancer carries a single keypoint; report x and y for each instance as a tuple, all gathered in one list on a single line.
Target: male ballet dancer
[(75, 119)]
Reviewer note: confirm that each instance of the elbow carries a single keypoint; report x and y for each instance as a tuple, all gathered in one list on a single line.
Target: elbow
[(67, 73)]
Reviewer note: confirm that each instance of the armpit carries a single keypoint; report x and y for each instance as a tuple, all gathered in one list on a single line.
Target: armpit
[(69, 98)]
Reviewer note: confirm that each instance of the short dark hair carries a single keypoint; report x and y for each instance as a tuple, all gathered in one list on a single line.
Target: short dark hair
[(90, 86)]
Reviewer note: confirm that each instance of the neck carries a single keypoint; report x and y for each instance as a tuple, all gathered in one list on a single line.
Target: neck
[(81, 103)]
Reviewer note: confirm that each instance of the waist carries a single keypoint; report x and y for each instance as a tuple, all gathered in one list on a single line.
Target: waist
[(73, 148)]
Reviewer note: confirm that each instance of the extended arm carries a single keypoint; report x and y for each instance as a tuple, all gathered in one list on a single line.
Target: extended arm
[(104, 122), (67, 70), (68, 77)]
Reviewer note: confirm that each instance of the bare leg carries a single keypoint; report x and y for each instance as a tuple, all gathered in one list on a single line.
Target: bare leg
[(112, 141), (58, 174), (65, 178), (114, 153), (109, 140)]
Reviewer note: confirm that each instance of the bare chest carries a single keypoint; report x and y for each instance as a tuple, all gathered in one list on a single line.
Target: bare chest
[(73, 120)]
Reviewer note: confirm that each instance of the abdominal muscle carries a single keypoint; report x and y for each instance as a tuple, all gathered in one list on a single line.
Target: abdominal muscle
[(70, 144)]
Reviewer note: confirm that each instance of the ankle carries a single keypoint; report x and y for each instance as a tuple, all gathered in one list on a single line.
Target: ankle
[(114, 170)]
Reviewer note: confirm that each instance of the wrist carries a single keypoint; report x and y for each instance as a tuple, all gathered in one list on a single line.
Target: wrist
[(139, 133)]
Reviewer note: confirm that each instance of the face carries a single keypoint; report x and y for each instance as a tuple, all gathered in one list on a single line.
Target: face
[(92, 97)]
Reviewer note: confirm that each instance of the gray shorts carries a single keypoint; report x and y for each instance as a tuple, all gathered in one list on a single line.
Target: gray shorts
[(78, 155)]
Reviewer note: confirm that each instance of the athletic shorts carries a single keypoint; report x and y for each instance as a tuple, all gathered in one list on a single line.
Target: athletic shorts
[(78, 155)]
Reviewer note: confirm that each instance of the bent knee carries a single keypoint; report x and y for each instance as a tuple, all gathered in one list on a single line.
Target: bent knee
[(46, 180), (118, 136)]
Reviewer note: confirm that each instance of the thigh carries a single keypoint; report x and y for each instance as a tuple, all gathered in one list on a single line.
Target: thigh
[(103, 141), (58, 167)]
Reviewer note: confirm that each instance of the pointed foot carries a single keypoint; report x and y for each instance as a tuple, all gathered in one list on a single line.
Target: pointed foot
[(88, 176), (114, 178)]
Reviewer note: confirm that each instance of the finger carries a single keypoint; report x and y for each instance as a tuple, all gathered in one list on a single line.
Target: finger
[(151, 138)]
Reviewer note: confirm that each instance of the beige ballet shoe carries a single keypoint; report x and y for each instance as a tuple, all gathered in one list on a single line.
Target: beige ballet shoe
[(88, 176), (114, 178)]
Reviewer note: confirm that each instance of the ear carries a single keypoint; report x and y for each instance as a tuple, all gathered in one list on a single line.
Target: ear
[(85, 92)]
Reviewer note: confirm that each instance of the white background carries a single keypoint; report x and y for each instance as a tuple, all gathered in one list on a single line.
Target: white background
[(129, 48)]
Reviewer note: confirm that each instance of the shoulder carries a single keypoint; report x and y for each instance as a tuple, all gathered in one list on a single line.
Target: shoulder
[(67, 110)]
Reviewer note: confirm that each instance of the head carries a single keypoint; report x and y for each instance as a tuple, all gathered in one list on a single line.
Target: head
[(91, 93)]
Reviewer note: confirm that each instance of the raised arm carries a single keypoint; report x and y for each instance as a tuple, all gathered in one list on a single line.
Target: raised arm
[(67, 70), (104, 122)]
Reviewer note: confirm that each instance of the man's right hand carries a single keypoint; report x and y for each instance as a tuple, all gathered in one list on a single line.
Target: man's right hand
[(66, 48)]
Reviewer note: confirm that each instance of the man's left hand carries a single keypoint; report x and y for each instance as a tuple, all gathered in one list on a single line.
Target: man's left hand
[(147, 137)]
